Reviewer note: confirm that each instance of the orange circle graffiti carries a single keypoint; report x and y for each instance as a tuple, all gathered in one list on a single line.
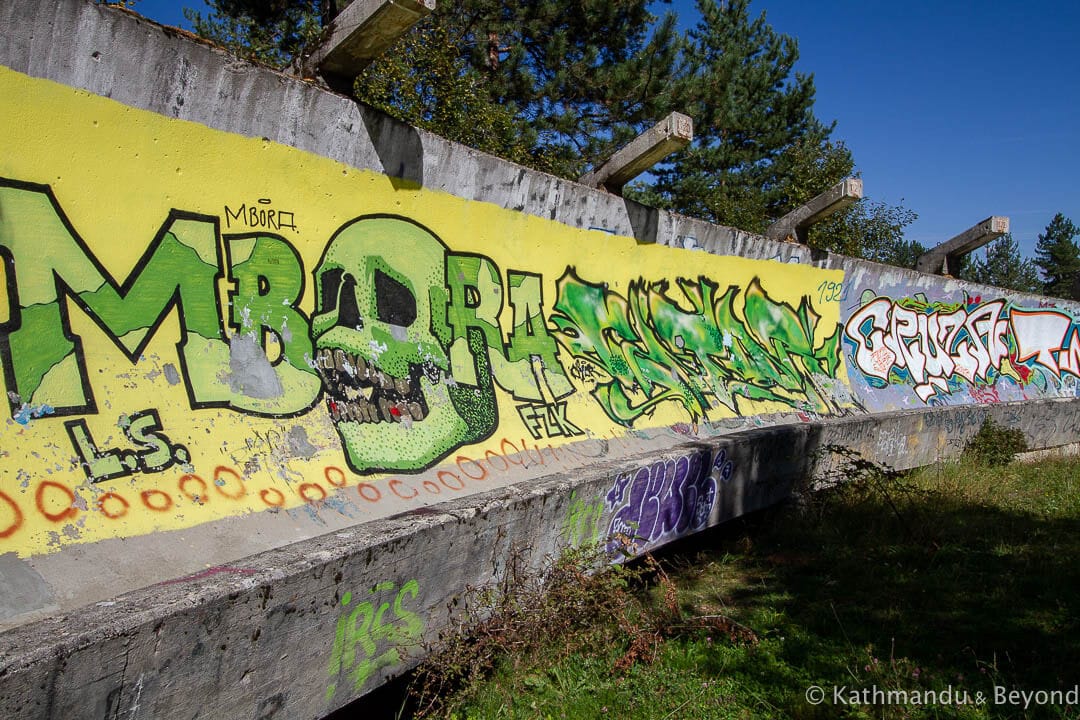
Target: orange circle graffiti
[(339, 480), (459, 486), (483, 470), (112, 496), (303, 491), (502, 448), (393, 488), (17, 522), (200, 497), (368, 486), (218, 472), (491, 454), (69, 512), (147, 494), (280, 502)]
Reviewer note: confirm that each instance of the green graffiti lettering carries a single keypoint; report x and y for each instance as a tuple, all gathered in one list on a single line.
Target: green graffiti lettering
[(646, 349), (44, 361), (269, 280), (381, 643), (530, 340), (143, 429), (582, 523), (475, 302), (412, 626), (527, 366), (99, 465)]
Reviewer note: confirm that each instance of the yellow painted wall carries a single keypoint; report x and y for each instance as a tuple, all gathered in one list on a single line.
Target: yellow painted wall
[(114, 174)]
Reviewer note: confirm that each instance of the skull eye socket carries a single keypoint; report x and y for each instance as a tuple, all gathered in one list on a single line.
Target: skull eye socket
[(330, 284), (338, 290), (394, 302)]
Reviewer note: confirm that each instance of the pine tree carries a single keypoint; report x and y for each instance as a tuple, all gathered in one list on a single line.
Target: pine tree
[(1058, 256), (554, 84), (425, 82), (583, 76), (754, 126), (272, 32), (1002, 265)]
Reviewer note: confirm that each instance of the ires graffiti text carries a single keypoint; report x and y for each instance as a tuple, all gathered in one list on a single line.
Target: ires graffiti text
[(373, 634), (939, 348)]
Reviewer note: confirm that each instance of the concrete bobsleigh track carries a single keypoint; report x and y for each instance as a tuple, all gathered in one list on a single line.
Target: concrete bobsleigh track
[(284, 376)]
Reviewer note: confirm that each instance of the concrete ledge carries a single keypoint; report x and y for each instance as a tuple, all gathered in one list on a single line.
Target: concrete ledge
[(943, 258), (360, 33), (793, 226), (671, 134), (273, 635), (1063, 451)]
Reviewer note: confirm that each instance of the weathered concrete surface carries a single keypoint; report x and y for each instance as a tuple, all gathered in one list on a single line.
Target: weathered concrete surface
[(261, 611), (360, 33), (945, 258)]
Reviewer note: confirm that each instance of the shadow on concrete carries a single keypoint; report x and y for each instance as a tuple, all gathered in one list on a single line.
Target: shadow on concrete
[(398, 146), (644, 220)]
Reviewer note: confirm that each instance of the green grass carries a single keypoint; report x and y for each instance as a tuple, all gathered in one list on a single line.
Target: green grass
[(961, 575)]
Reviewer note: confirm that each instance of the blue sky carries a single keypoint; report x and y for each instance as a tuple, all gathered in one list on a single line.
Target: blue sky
[(956, 109)]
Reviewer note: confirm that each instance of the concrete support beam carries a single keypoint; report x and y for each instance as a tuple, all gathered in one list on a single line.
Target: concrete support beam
[(359, 34), (943, 259), (670, 134), (793, 226)]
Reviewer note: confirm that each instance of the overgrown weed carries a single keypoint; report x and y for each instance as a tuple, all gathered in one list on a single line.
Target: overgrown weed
[(996, 445), (574, 604)]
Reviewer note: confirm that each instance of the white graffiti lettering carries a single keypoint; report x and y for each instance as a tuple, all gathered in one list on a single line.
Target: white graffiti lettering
[(929, 348)]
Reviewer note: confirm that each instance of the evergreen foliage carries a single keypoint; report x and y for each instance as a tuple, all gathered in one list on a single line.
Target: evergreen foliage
[(272, 32), (1002, 265), (758, 149), (1058, 256), (869, 230)]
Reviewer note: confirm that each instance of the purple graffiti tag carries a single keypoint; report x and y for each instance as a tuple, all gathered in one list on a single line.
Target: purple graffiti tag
[(666, 499)]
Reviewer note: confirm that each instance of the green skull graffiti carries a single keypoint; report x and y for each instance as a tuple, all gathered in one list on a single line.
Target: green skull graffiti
[(381, 349)]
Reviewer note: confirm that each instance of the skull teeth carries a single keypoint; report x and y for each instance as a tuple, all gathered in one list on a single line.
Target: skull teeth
[(360, 392), (362, 411)]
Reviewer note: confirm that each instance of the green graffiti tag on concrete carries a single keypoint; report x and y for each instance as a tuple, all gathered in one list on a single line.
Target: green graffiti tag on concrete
[(582, 523), (648, 350), (366, 641), (528, 366)]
